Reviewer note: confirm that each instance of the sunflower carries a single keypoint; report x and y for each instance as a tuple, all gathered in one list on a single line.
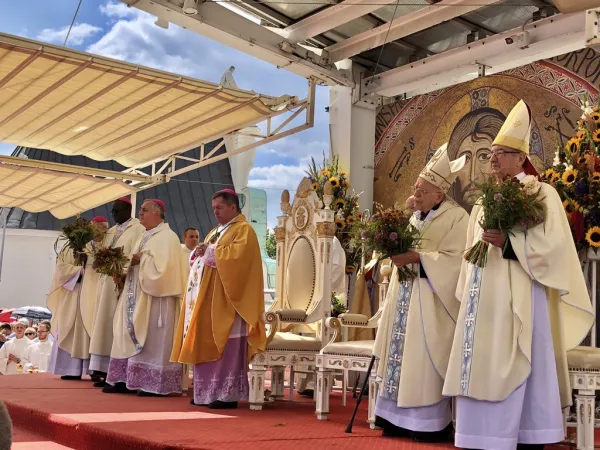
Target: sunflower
[(350, 219), (549, 174), (344, 183), (339, 203), (595, 116), (596, 177), (570, 206), (315, 185), (593, 237), (596, 109), (581, 160), (573, 145), (555, 178), (569, 176), (596, 135), (325, 173), (581, 134), (340, 224), (335, 181)]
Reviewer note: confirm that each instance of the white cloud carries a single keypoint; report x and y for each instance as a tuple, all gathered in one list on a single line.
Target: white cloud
[(79, 33), (118, 10)]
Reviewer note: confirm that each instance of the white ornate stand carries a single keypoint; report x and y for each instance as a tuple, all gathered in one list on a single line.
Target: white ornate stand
[(584, 368)]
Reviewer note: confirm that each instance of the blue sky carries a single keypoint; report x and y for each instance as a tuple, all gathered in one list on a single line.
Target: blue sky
[(111, 29)]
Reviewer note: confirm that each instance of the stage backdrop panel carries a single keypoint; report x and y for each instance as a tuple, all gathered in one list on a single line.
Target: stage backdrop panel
[(469, 116)]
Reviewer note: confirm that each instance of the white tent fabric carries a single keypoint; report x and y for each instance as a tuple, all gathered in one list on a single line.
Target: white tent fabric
[(63, 194)]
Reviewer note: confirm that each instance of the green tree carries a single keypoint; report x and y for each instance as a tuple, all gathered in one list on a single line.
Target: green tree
[(271, 244)]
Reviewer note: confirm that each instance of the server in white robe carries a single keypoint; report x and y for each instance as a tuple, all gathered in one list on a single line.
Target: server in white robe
[(13, 352), (519, 315), (417, 324), (38, 353)]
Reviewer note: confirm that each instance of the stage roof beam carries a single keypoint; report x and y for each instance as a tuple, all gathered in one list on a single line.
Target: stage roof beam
[(548, 38), (403, 26)]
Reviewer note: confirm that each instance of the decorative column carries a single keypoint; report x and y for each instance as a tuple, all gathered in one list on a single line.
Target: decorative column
[(325, 233), (280, 233)]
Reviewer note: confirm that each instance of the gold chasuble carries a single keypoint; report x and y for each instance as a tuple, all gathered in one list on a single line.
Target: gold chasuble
[(234, 286), (160, 274), (417, 324), (491, 354), (63, 302)]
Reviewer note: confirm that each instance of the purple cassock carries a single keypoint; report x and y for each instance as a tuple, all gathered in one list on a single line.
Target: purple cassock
[(226, 379)]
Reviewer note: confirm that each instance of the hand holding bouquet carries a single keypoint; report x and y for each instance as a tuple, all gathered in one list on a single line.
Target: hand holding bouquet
[(508, 206), (111, 262), (389, 232), (77, 234)]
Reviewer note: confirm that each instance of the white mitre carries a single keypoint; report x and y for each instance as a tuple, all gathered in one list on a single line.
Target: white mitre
[(440, 171)]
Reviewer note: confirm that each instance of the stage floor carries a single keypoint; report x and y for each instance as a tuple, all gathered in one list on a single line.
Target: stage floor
[(74, 414)]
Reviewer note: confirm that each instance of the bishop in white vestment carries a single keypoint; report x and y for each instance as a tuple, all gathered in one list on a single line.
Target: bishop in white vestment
[(148, 311), (417, 323), (519, 315), (72, 298), (12, 353), (124, 234)]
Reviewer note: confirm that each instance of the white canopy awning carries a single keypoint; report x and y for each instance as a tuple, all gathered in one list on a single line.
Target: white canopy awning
[(63, 194), (76, 103)]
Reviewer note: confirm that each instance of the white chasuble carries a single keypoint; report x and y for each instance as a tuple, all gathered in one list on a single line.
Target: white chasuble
[(64, 303), (418, 319), (160, 274), (124, 235), (495, 313), (89, 288), (38, 356)]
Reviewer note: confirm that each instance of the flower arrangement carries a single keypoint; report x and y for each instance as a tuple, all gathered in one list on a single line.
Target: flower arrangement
[(575, 173), (388, 232), (111, 262), (508, 205), (75, 236), (338, 304), (345, 203)]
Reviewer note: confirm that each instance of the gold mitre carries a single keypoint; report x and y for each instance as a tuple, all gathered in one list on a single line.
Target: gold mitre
[(440, 171), (516, 130)]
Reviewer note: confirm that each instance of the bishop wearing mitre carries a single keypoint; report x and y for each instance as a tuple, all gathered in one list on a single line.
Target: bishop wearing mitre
[(221, 328), (72, 297), (417, 324), (519, 315), (124, 234), (148, 310)]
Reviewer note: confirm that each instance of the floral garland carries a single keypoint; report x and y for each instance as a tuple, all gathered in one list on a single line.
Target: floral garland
[(345, 203), (575, 173)]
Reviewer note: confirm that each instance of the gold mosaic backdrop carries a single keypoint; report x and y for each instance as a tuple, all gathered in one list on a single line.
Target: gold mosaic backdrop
[(469, 116)]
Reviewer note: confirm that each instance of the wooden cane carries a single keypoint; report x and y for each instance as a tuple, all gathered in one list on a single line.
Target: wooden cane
[(360, 395)]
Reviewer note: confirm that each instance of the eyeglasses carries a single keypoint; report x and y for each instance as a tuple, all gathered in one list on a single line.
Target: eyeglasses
[(419, 191), (499, 153), (29, 334)]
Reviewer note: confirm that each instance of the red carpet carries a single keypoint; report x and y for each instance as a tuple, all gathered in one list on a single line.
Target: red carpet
[(73, 414)]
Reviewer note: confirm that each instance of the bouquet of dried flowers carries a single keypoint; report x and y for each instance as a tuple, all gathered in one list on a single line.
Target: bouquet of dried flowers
[(575, 173), (508, 206), (111, 262), (388, 232), (75, 236)]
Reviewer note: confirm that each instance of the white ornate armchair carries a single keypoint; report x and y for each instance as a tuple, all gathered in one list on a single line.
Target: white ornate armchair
[(304, 236), (349, 355)]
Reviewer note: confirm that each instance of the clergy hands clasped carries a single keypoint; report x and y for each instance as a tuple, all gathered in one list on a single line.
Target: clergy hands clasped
[(201, 249), (494, 237), (404, 259), (13, 358), (135, 259)]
